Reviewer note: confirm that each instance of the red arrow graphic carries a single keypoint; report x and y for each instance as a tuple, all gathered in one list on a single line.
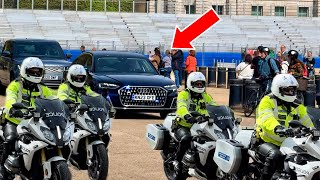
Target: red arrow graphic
[(182, 39)]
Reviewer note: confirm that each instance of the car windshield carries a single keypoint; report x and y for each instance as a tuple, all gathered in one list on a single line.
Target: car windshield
[(124, 65), (43, 50), (53, 112), (97, 107)]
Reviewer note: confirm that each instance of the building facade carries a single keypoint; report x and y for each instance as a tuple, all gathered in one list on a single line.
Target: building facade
[(302, 8)]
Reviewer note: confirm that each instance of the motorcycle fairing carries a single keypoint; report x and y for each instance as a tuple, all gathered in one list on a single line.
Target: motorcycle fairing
[(305, 172), (77, 136), (28, 151), (203, 150)]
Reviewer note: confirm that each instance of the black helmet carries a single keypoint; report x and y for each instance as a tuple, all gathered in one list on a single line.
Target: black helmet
[(293, 53), (265, 49), (260, 48)]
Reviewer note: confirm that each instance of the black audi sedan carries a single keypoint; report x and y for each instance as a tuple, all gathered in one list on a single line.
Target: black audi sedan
[(130, 81)]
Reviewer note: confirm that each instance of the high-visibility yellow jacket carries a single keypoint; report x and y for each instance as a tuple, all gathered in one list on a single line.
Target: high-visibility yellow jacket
[(16, 93), (66, 92), (185, 104), (270, 114)]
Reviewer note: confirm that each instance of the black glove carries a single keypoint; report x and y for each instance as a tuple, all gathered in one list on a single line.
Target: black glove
[(190, 119), (289, 132), (279, 130), (16, 113), (201, 119)]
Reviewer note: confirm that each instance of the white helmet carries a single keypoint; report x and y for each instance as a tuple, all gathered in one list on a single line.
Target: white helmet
[(196, 82), (77, 75), (32, 69), (282, 84)]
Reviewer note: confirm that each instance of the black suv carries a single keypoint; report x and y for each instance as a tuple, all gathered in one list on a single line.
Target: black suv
[(130, 80), (49, 51)]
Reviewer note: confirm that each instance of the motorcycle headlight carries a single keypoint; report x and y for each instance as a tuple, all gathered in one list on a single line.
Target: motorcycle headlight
[(49, 135), (106, 125), (67, 135), (220, 134), (91, 126)]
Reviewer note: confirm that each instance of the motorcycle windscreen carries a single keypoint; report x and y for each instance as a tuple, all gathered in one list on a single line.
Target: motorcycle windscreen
[(314, 114), (222, 115), (53, 112), (97, 107)]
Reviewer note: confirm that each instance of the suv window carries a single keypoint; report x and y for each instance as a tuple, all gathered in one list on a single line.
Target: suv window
[(51, 50)]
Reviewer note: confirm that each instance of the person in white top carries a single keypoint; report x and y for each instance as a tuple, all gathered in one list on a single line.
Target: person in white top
[(284, 64), (244, 70)]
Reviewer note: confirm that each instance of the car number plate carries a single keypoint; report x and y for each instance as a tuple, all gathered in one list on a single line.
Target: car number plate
[(138, 97), (51, 77)]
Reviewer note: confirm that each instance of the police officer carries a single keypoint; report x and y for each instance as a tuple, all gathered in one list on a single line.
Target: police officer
[(275, 111), (24, 90), (75, 86), (193, 98)]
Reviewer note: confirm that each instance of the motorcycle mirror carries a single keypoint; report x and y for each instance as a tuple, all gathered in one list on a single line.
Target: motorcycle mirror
[(295, 124), (73, 116), (36, 116), (83, 107), (18, 105), (195, 114), (68, 101), (238, 120)]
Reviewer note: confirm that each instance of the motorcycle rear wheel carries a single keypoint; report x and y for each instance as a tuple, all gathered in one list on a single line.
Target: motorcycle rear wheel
[(99, 169), (60, 171)]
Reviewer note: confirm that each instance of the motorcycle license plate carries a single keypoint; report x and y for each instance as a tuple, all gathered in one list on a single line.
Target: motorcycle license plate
[(144, 97)]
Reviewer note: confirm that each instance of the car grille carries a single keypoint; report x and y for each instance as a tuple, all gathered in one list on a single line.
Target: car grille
[(54, 69), (127, 94)]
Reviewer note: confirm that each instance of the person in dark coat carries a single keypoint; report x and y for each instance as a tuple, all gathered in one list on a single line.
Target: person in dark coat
[(178, 55)]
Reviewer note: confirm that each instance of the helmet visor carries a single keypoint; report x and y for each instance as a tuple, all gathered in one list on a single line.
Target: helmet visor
[(198, 84), (289, 91), (78, 78), (36, 72)]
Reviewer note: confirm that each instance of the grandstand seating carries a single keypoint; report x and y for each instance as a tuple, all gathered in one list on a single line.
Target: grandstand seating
[(140, 31)]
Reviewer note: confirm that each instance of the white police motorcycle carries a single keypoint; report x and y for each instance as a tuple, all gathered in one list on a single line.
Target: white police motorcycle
[(220, 125), (42, 147), (91, 138), (302, 156)]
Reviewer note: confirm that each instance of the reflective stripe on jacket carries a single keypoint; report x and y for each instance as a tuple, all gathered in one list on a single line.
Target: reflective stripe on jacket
[(16, 93), (66, 92), (270, 115), (185, 105)]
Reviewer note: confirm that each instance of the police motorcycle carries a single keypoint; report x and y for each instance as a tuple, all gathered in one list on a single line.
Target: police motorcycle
[(91, 138), (42, 147), (301, 152), (221, 124)]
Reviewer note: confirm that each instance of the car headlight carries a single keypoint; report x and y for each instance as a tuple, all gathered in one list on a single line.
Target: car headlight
[(91, 126), (171, 87), (67, 135), (108, 86), (49, 135), (106, 125)]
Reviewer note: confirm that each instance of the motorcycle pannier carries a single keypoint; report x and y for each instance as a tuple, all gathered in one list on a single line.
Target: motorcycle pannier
[(156, 135), (228, 155)]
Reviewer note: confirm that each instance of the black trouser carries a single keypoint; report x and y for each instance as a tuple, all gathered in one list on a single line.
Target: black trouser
[(271, 155), (183, 135), (10, 134)]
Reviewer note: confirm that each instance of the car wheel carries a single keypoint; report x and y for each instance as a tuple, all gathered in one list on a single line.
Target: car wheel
[(164, 114)]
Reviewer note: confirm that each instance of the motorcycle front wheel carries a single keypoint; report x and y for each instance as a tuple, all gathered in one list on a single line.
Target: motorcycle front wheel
[(100, 163), (60, 171)]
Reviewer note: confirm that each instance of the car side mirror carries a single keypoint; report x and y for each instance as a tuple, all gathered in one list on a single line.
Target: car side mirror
[(18, 106), (68, 55), (6, 54)]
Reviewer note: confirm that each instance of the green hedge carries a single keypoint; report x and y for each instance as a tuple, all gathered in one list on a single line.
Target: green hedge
[(83, 5)]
